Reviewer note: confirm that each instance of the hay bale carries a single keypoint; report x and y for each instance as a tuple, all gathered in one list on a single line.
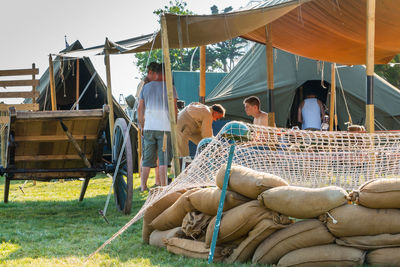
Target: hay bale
[(299, 235), (326, 255), (158, 238), (194, 249), (302, 202), (246, 249), (238, 222), (378, 194), (370, 242), (354, 220), (384, 257), (154, 210), (195, 224), (248, 182), (173, 216), (206, 200)]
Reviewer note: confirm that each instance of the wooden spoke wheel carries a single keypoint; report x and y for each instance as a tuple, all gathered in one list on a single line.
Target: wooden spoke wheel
[(123, 184)]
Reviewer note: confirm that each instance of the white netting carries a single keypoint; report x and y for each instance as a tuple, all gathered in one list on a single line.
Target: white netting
[(304, 158)]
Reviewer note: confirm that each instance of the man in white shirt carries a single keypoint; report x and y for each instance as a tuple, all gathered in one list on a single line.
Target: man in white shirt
[(310, 113), (252, 108)]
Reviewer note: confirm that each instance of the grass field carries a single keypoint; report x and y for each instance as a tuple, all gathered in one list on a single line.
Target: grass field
[(47, 226)]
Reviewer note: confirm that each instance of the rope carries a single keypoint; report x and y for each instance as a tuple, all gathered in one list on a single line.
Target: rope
[(84, 91), (344, 97)]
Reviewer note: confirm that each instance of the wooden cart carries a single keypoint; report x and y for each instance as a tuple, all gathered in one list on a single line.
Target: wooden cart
[(46, 145)]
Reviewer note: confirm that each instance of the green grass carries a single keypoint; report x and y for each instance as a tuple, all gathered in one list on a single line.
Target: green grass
[(48, 226)]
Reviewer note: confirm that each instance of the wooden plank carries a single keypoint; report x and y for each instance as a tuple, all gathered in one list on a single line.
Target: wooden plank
[(49, 175), (49, 157), (4, 119), (52, 84), (10, 83), (45, 138), (109, 96), (5, 107), (64, 114), (33, 86), (17, 72), (25, 94)]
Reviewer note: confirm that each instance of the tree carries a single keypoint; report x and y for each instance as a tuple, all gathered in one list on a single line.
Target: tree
[(390, 72)]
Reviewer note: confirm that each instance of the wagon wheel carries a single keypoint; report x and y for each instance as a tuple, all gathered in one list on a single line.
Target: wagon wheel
[(123, 184)]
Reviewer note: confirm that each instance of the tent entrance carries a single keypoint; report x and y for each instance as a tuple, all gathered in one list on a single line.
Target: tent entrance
[(321, 90)]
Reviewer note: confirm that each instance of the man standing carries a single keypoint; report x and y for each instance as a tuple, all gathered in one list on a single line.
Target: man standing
[(153, 118), (195, 123), (310, 113), (252, 108)]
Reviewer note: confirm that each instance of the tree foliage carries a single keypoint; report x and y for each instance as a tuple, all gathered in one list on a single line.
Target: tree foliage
[(390, 72)]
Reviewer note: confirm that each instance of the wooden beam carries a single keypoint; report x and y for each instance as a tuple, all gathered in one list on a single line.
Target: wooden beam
[(18, 72), (11, 83), (25, 94), (202, 89), (45, 138), (109, 96), (52, 84), (5, 107), (33, 86), (332, 97), (4, 119), (77, 83), (270, 75), (370, 64), (49, 157), (95, 114), (171, 103)]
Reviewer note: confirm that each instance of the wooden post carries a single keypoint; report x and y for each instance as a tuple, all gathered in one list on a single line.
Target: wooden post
[(109, 97), (270, 75), (370, 66), (33, 86), (333, 97), (202, 91), (52, 84), (77, 83), (171, 103)]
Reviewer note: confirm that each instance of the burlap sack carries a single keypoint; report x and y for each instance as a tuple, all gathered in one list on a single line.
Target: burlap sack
[(302, 202), (238, 222), (378, 194), (195, 224), (154, 210), (326, 255), (173, 216), (194, 249), (158, 238), (248, 182), (299, 235), (206, 200), (384, 257), (246, 249), (370, 242), (355, 220)]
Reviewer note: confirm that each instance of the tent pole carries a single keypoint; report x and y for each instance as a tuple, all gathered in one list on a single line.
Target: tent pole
[(77, 83), (52, 84), (171, 102), (370, 65), (333, 97), (109, 96), (270, 75), (202, 92)]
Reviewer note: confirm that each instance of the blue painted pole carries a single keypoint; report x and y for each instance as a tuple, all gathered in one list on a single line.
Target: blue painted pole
[(221, 205)]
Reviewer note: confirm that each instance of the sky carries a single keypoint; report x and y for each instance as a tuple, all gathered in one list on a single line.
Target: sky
[(31, 30)]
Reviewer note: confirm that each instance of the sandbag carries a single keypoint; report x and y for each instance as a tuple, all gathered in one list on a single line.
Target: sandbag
[(355, 220), (238, 222), (246, 249), (158, 238), (303, 202), (378, 194), (325, 255), (370, 242), (206, 200), (248, 182), (194, 249), (154, 210), (307, 233), (195, 224), (173, 216), (384, 257)]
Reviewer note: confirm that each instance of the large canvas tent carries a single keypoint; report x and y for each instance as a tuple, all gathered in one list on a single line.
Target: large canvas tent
[(94, 97), (290, 73)]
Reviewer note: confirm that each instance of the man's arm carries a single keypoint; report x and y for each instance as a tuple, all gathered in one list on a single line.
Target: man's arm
[(141, 109), (206, 127), (321, 107), (299, 117)]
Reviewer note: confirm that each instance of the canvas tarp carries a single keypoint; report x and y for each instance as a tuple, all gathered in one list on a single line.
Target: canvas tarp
[(290, 71)]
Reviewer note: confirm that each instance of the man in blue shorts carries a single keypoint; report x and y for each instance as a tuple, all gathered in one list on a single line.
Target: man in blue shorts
[(153, 118)]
